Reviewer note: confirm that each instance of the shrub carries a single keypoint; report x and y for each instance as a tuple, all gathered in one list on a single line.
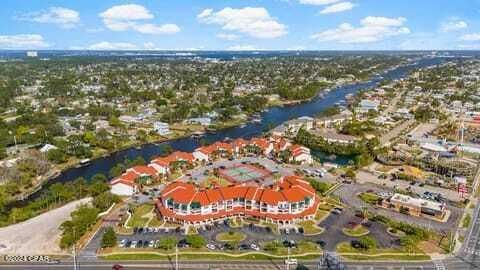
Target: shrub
[(109, 238)]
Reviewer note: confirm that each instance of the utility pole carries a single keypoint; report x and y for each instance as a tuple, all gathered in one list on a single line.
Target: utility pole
[(288, 257), (176, 257), (74, 251)]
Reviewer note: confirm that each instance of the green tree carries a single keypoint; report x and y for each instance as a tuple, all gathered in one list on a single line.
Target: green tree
[(167, 243), (368, 242), (109, 238), (195, 241), (57, 156)]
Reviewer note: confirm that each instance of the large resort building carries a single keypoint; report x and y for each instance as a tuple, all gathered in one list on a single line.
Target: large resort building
[(290, 200)]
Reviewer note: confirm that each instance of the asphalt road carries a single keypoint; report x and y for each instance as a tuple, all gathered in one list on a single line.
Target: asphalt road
[(232, 265)]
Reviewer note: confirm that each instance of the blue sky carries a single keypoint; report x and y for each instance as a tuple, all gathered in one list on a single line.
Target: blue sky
[(240, 24)]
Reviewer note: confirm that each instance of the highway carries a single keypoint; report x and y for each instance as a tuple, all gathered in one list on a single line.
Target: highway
[(232, 265)]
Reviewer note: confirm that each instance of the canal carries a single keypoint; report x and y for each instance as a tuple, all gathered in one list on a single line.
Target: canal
[(270, 118)]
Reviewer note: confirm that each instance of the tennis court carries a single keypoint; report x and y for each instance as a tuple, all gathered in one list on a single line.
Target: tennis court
[(244, 173)]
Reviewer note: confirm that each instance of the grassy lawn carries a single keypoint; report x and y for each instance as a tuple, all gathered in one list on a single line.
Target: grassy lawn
[(368, 197), (213, 257), (321, 214), (174, 175), (155, 222), (404, 257), (230, 236), (466, 221), (357, 231), (171, 225), (235, 222), (191, 230), (309, 227), (207, 183), (378, 253), (140, 215), (278, 249)]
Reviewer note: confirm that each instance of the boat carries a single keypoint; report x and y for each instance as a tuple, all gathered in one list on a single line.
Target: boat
[(83, 163), (198, 134), (331, 157)]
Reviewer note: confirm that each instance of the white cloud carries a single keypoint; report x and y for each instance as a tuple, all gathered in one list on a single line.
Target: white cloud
[(241, 48), (255, 22), (130, 12), (469, 46), (22, 41), (453, 24), (471, 37), (229, 37), (127, 17), (149, 28), (64, 17), (105, 45), (318, 2), (371, 29), (149, 45), (339, 7)]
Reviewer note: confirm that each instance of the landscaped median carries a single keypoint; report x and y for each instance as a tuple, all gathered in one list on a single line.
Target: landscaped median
[(202, 255), (378, 254), (310, 228), (230, 236), (356, 231)]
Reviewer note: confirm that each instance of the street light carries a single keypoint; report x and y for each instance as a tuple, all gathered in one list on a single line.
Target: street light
[(176, 256)]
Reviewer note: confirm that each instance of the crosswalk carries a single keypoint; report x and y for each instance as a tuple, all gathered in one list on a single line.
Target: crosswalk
[(439, 265)]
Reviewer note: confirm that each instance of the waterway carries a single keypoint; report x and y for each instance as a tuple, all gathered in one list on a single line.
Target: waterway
[(270, 118)]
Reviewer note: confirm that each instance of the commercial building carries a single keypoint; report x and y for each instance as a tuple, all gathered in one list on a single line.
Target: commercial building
[(415, 206)]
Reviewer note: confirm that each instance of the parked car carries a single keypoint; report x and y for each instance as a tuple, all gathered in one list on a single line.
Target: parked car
[(254, 247), (291, 262), (211, 246)]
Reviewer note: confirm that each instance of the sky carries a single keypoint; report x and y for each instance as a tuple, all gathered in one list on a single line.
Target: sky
[(240, 24)]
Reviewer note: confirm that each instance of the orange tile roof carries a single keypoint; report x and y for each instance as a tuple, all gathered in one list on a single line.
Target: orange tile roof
[(214, 195), (217, 146), (201, 197), (260, 142), (229, 193), (272, 197), (175, 156), (144, 170)]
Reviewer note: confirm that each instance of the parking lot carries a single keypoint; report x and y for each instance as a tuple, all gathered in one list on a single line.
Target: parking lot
[(347, 194), (255, 235)]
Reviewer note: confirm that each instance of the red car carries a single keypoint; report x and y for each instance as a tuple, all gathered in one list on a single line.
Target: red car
[(117, 267)]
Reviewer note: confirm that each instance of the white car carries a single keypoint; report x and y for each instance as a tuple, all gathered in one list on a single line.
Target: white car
[(133, 244), (123, 243), (151, 244), (254, 247), (211, 246), (291, 262)]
